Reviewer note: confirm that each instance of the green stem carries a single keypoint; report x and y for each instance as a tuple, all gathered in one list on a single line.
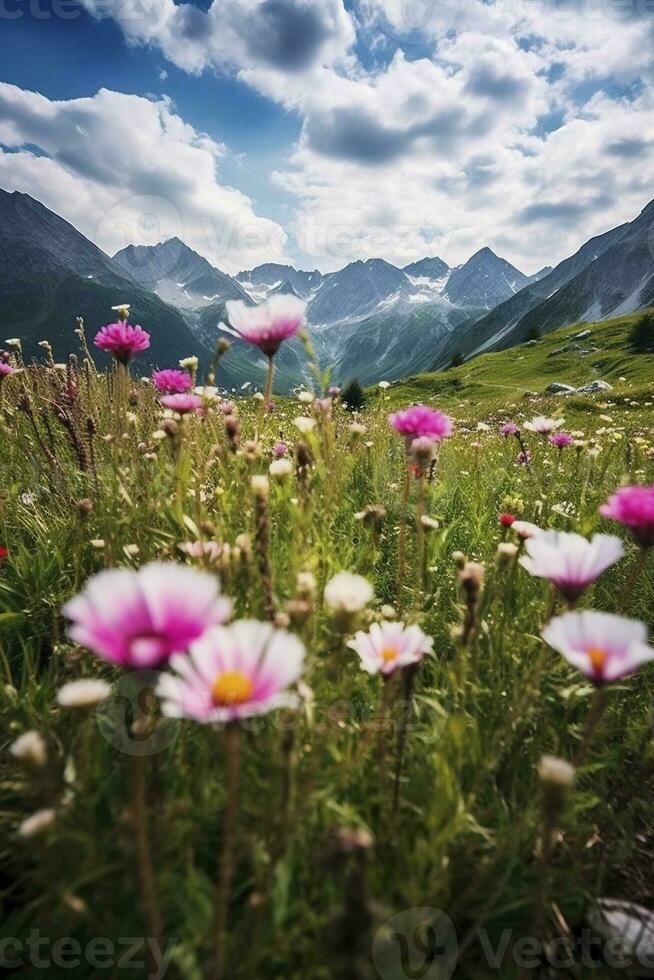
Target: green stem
[(149, 904), (269, 382), (409, 681), (223, 885), (420, 540), (401, 543), (594, 715)]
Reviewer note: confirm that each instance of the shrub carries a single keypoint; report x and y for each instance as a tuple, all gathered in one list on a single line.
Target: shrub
[(353, 396), (641, 339)]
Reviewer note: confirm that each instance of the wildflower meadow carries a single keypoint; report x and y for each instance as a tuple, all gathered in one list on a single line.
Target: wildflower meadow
[(293, 689)]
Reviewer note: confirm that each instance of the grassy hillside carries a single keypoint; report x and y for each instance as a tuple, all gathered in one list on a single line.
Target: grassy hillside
[(490, 382), (368, 807)]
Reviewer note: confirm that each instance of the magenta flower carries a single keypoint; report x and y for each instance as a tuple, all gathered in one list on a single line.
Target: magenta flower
[(280, 449), (570, 561), (633, 507), (268, 324), (233, 672), (183, 404), (172, 381), (509, 429), (5, 370), (122, 340), (390, 645), (524, 457), (561, 439), (139, 618), (418, 421), (603, 647)]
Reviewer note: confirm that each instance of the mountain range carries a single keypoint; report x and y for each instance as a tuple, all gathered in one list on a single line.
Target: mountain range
[(370, 319), (51, 273)]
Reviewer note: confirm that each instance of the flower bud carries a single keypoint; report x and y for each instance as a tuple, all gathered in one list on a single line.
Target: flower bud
[(30, 748), (84, 506), (298, 611), (506, 552), (260, 486), (557, 777), (37, 823)]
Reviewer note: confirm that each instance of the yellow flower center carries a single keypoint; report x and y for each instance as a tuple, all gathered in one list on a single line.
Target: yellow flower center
[(597, 657), (388, 654), (231, 688)]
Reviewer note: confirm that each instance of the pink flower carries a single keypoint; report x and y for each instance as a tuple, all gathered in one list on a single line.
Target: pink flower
[(280, 449), (139, 618), (233, 672), (633, 507), (183, 404), (268, 324), (122, 340), (390, 645), (570, 561), (525, 529), (604, 647), (324, 406), (523, 458), (172, 381), (227, 408), (509, 429), (334, 391), (419, 421), (561, 439), (5, 370)]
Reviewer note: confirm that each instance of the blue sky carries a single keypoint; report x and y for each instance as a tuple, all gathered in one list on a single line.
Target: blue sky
[(321, 132)]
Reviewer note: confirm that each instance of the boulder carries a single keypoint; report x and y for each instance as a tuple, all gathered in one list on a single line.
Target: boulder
[(594, 386), (559, 388), (630, 924), (558, 350), (582, 334)]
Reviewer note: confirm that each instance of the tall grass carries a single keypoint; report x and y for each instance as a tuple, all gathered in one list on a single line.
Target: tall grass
[(323, 858)]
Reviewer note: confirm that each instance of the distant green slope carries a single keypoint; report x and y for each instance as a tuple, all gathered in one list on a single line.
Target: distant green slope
[(492, 381)]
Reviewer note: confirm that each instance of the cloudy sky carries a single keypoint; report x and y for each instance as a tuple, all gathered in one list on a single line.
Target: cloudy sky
[(321, 131)]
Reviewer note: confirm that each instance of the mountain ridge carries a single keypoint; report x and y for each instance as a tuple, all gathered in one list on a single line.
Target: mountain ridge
[(370, 318), (52, 274)]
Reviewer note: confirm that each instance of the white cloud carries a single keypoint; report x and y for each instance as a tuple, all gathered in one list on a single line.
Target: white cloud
[(534, 199), (275, 45), (127, 169), (444, 148)]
